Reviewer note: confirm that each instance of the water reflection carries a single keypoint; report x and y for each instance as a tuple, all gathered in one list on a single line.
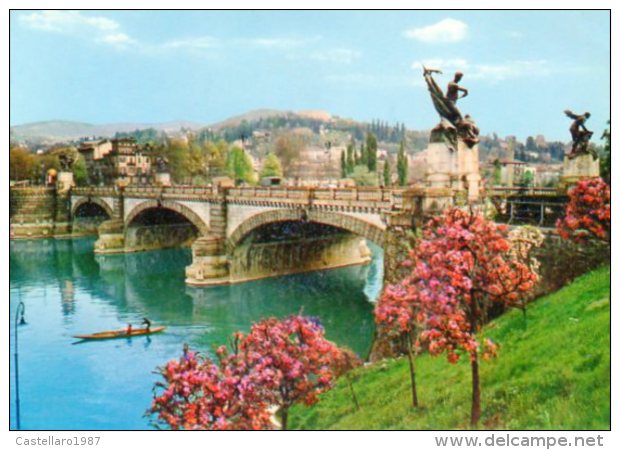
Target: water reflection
[(68, 291)]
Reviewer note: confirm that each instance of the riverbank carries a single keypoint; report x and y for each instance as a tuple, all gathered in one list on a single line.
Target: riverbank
[(554, 374)]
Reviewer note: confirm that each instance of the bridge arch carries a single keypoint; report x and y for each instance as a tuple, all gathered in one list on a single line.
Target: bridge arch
[(179, 208), (91, 200), (349, 223)]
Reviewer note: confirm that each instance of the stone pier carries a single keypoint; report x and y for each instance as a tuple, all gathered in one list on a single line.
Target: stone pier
[(456, 168)]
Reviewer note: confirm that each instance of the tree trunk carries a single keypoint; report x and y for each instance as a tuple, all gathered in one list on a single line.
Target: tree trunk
[(475, 371), (475, 390), (414, 391), (284, 418), (357, 405)]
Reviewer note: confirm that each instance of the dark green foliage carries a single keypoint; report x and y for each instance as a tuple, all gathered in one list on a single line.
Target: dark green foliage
[(350, 158), (606, 155), (387, 173), (371, 152)]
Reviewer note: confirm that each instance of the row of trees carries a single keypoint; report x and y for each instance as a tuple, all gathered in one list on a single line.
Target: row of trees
[(25, 165), (362, 165), (387, 133), (191, 162)]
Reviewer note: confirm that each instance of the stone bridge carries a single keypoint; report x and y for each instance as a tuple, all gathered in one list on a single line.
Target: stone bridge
[(216, 222)]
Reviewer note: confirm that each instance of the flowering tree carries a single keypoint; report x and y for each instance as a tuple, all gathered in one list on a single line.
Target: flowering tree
[(345, 361), (396, 314), (588, 213), (280, 362), (464, 265), (198, 393), (295, 360)]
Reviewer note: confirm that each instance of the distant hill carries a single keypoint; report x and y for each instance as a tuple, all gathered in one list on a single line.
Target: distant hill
[(64, 130), (252, 116)]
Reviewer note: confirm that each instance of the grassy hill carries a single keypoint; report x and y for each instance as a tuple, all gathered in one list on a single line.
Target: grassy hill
[(553, 375)]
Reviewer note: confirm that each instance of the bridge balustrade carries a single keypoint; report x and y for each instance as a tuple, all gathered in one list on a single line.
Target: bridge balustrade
[(524, 191)]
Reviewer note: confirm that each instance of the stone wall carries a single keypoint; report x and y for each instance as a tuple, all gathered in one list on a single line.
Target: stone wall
[(155, 237), (38, 212)]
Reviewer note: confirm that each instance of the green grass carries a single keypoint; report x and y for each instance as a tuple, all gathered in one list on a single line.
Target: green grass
[(554, 374)]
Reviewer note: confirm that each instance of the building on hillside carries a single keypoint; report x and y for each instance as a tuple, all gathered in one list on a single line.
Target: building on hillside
[(117, 161), (548, 175), (511, 172)]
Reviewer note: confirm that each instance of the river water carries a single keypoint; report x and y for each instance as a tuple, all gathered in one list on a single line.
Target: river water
[(67, 290)]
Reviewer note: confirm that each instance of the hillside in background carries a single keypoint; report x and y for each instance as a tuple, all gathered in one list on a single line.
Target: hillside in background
[(260, 128), (553, 374), (56, 131)]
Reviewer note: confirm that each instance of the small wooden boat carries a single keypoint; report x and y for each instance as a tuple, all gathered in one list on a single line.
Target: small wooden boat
[(120, 333)]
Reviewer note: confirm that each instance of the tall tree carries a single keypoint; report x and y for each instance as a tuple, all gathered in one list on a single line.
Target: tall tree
[(465, 264), (343, 164), (21, 164), (387, 173), (363, 157), (288, 147), (402, 165), (271, 166), (371, 152), (239, 166), (396, 314), (350, 158)]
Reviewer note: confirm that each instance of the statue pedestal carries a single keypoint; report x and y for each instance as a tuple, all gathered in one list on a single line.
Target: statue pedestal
[(64, 181), (162, 179), (581, 166), (457, 169)]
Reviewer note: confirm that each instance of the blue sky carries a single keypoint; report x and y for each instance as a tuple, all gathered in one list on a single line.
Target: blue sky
[(522, 68)]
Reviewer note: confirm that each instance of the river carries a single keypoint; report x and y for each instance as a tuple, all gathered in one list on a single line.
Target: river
[(107, 385)]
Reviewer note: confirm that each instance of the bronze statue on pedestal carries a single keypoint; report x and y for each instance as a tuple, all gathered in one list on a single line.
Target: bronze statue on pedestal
[(580, 134), (453, 124)]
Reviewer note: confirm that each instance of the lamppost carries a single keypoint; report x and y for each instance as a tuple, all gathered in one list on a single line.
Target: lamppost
[(21, 308)]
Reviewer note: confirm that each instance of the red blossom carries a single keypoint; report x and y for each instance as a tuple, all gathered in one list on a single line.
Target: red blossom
[(588, 213), (278, 363)]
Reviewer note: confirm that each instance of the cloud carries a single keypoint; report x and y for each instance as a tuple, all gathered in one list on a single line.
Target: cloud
[(67, 22), (105, 31), (489, 71), (444, 31), (101, 29)]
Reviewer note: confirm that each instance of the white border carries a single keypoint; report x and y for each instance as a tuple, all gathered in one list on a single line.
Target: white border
[(296, 440)]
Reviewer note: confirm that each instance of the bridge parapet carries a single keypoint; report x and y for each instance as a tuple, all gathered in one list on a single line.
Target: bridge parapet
[(525, 191), (376, 199), (98, 191)]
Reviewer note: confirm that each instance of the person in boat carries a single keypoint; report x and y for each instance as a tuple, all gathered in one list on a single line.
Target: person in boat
[(129, 328), (147, 323)]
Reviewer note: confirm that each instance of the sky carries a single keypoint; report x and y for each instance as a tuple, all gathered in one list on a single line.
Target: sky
[(522, 68)]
